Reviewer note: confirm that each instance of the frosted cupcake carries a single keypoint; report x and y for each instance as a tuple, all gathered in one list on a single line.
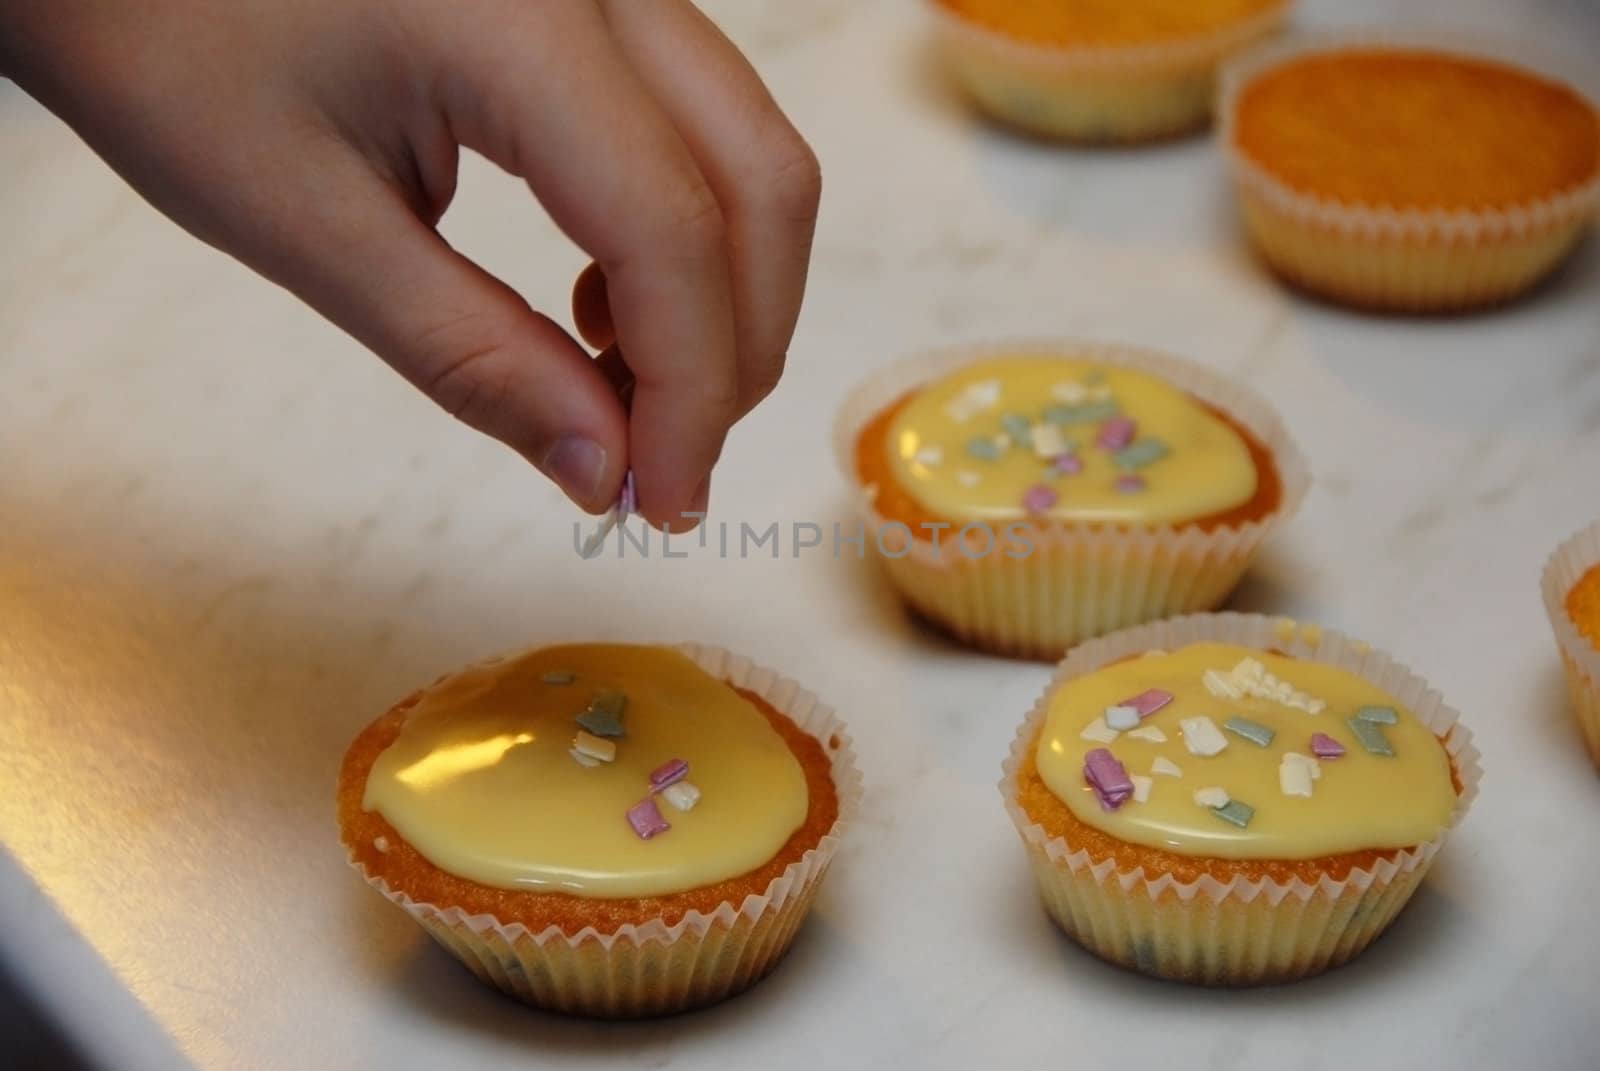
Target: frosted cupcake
[(603, 830), (1572, 599), (1398, 174), (1028, 497), (1098, 70), (1232, 800)]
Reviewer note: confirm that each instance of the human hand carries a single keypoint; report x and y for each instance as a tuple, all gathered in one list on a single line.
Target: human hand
[(317, 142)]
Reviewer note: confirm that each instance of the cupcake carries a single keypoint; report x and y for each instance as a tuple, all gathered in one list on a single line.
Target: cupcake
[(1233, 800), (1028, 497), (1402, 175), (1098, 70), (1572, 599), (603, 830)]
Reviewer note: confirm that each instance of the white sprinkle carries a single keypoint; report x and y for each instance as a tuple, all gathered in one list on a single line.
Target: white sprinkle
[(1294, 778), (1122, 718), (381, 843), (1141, 787), (1212, 797), (1099, 732), (1249, 669), (581, 759), (1221, 685), (1311, 764), (1048, 440), (968, 478), (1166, 767), (984, 394), (681, 795), (1150, 733), (931, 456), (1316, 706), (1201, 736), (961, 410), (594, 747), (1069, 392)]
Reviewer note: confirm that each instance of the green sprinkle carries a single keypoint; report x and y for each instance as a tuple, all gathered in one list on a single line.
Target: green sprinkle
[(600, 723), (1142, 453), (1087, 413), (1017, 426), (1236, 813), (984, 449), (1371, 737), (1252, 731), (559, 676), (612, 703), (1379, 715)]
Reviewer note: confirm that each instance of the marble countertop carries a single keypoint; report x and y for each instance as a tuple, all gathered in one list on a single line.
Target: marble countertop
[(228, 538)]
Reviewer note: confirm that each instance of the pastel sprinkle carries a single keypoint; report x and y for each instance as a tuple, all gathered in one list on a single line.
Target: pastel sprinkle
[(1252, 731), (1324, 746), (1116, 433), (628, 501), (601, 723), (645, 818), (581, 759), (1150, 733), (1166, 767), (1212, 797), (1099, 393), (1088, 413), (1311, 764), (1069, 392), (668, 773), (961, 410), (1235, 813), (1017, 426), (682, 795), (613, 703), (1129, 485), (1221, 685), (1067, 465), (1142, 453), (1141, 787), (1149, 701), (968, 478), (1108, 777), (1039, 498), (1379, 715), (1047, 440), (1121, 718), (931, 455), (559, 676), (984, 393), (594, 747), (1098, 731), (1294, 778), (984, 449), (1371, 737), (1201, 736)]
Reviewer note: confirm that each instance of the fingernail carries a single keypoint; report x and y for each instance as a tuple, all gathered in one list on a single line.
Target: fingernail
[(577, 464)]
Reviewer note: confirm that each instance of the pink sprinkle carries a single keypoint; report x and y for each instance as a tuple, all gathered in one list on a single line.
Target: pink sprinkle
[(1108, 777), (1039, 498), (1116, 433), (1130, 485), (668, 773), (1324, 746), (628, 501), (1147, 703), (645, 818), (1067, 465)]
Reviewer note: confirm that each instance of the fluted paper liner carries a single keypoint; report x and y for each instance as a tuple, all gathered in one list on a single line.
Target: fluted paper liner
[(654, 968), (1081, 580), (1241, 932), (1401, 259), (1105, 93), (1565, 568)]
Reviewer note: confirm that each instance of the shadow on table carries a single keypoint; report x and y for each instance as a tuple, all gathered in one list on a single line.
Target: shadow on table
[(28, 1041)]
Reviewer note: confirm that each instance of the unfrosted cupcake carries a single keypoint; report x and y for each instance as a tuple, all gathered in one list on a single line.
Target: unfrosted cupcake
[(603, 830), (1398, 174), (1027, 497), (1098, 70), (1572, 599), (1233, 800)]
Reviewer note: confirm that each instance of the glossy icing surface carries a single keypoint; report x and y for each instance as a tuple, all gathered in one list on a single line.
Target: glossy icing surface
[(481, 780), (1068, 439), (1360, 800), (1107, 22)]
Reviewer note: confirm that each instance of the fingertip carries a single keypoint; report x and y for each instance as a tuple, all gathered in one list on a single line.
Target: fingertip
[(591, 308)]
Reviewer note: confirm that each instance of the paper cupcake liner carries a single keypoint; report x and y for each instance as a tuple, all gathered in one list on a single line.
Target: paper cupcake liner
[(1095, 93), (655, 968), (1244, 931), (1408, 260), (1080, 581), (1565, 568)]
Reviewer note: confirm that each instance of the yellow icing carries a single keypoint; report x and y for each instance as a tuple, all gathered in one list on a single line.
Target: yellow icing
[(1361, 801), (1208, 469), (481, 783)]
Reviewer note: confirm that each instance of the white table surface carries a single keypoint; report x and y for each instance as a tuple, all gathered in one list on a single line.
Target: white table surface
[(229, 538)]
